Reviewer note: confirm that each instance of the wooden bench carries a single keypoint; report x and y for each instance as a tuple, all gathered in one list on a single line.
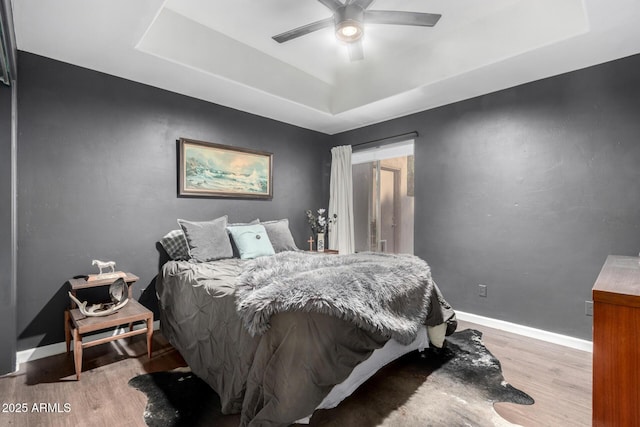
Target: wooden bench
[(76, 324)]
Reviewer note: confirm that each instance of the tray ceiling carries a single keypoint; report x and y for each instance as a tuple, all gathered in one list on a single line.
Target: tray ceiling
[(222, 51)]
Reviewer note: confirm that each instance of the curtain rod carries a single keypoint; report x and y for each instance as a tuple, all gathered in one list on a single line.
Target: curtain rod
[(389, 140)]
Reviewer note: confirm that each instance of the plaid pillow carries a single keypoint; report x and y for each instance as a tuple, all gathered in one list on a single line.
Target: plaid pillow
[(175, 244)]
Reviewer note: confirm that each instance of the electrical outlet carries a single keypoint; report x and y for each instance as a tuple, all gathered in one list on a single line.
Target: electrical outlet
[(588, 308), (482, 290)]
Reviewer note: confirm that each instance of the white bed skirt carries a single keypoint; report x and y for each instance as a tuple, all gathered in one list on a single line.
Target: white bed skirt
[(365, 370)]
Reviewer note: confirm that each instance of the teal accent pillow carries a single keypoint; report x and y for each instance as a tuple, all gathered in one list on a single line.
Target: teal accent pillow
[(252, 241), (236, 253)]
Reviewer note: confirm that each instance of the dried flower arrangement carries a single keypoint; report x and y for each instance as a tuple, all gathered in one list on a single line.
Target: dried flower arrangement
[(320, 222)]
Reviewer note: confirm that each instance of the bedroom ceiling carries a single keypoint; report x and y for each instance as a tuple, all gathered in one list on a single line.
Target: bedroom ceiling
[(222, 51)]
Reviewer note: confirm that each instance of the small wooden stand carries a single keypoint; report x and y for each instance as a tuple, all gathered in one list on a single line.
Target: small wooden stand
[(77, 284), (76, 324), (326, 252), (107, 276)]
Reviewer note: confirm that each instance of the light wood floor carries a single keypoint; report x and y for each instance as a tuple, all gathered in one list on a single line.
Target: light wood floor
[(558, 378)]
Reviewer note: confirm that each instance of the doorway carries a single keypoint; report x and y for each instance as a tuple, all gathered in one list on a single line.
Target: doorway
[(383, 202)]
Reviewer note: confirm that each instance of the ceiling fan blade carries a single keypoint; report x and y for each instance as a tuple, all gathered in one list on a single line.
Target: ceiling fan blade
[(356, 52), (301, 31), (362, 3), (332, 4), (401, 18)]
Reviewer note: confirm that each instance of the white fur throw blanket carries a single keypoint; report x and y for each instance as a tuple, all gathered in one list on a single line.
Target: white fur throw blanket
[(385, 293)]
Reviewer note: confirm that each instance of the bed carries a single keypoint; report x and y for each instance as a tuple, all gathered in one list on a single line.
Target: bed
[(280, 336)]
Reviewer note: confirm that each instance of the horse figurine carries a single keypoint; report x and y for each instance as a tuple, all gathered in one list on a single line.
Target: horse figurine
[(104, 264)]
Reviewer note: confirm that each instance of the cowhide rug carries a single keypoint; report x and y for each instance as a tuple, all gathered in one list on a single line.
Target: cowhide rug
[(455, 386)]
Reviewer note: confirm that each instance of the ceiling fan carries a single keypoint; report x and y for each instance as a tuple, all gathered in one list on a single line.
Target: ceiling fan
[(349, 18)]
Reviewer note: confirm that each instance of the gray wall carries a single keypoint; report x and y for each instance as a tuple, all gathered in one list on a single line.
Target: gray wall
[(7, 301), (97, 179), (528, 190)]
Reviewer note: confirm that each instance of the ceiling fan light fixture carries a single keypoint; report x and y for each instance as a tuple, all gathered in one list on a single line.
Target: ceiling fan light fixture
[(349, 31), (349, 17)]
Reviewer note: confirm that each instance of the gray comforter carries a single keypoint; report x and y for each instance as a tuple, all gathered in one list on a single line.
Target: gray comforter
[(297, 353)]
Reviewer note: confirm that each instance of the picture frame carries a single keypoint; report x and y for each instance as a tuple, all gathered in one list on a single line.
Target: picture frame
[(206, 169)]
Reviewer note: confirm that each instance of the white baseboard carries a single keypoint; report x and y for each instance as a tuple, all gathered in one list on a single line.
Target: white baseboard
[(552, 337), (61, 347)]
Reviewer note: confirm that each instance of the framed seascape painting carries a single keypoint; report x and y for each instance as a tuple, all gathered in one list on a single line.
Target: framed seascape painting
[(214, 170)]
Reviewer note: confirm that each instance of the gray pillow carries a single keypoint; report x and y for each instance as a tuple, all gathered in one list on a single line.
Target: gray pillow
[(235, 224), (280, 235), (207, 240)]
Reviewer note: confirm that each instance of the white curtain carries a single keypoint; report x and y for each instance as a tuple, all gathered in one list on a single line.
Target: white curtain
[(341, 235)]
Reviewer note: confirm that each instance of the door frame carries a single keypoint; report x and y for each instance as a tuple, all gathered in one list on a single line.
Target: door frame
[(396, 203)]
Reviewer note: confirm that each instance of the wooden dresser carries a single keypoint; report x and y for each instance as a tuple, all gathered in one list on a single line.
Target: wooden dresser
[(616, 343)]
